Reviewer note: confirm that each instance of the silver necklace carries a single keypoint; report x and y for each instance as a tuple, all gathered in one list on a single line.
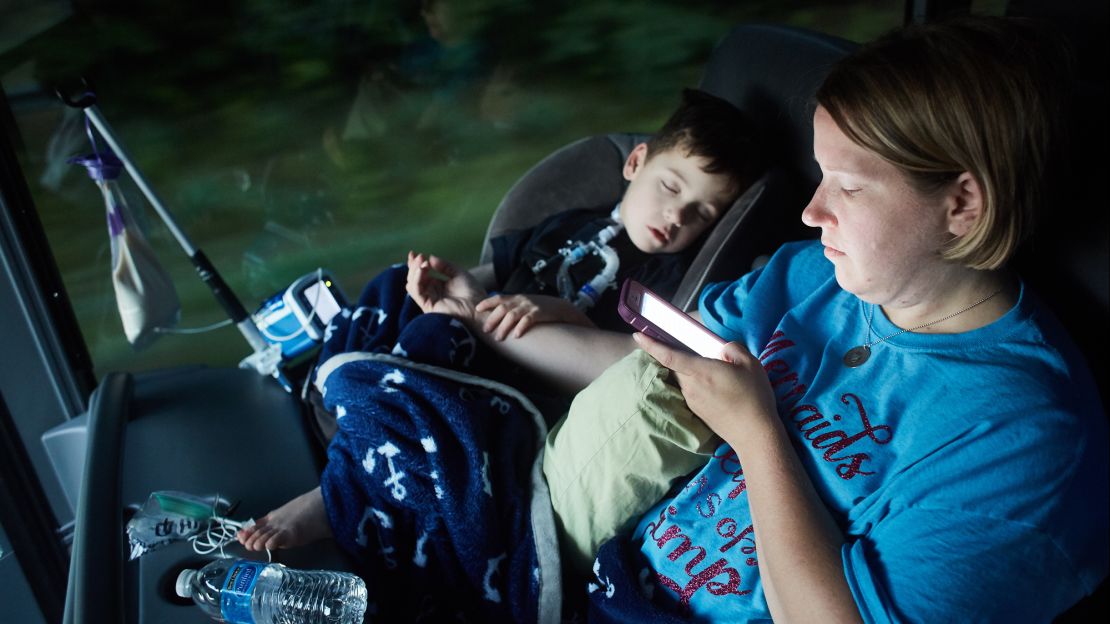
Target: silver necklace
[(857, 355)]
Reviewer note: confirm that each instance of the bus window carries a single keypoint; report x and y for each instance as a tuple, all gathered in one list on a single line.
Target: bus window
[(285, 138)]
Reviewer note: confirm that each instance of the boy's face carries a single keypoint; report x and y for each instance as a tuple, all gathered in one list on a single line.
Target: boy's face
[(670, 200)]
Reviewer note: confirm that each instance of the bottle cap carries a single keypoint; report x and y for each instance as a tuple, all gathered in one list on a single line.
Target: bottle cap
[(184, 585)]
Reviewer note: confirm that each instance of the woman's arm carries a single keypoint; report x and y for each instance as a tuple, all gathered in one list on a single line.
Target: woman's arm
[(569, 356), (796, 538)]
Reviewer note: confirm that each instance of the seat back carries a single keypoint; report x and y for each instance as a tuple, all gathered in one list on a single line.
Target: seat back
[(1067, 261), (771, 72)]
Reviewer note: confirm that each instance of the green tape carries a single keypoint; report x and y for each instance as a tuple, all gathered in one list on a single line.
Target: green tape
[(183, 506)]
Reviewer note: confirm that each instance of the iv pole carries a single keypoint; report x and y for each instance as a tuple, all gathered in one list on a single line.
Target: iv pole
[(263, 359)]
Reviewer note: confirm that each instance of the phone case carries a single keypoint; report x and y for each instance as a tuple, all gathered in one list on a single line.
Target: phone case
[(632, 293)]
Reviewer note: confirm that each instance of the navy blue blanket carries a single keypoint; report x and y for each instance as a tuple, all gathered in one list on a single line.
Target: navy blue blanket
[(624, 586), (433, 479)]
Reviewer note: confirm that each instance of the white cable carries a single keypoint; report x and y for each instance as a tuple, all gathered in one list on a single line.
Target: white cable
[(192, 330), (219, 532)]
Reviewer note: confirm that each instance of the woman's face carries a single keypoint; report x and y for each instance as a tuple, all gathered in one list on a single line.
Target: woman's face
[(882, 236)]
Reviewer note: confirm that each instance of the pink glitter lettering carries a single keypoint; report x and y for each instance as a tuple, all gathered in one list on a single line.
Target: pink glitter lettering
[(730, 465), (652, 527), (774, 347), (727, 528), (710, 504), (702, 579)]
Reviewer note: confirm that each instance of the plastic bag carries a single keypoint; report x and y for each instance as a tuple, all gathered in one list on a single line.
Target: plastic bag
[(145, 293), (169, 516)]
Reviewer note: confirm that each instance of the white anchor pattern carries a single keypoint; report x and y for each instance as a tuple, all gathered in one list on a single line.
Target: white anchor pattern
[(492, 594), (394, 480), (602, 583), (408, 471)]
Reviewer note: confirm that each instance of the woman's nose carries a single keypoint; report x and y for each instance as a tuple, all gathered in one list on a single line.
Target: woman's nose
[(816, 213)]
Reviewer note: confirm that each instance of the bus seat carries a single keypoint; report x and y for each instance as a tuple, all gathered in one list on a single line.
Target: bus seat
[(1067, 262)]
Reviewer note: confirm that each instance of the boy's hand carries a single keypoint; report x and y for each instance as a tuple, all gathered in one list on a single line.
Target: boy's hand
[(439, 286), (516, 314)]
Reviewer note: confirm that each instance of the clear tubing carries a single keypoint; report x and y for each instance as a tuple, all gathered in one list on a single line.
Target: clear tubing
[(601, 281)]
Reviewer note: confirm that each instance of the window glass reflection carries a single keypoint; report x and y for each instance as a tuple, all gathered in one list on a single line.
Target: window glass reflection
[(287, 135)]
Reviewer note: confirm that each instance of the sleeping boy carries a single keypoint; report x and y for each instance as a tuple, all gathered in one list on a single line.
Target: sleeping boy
[(679, 183)]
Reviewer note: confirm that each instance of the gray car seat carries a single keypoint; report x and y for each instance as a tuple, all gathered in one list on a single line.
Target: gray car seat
[(768, 71)]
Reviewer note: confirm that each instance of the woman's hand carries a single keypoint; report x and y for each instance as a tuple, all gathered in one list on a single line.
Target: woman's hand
[(516, 314), (439, 286), (798, 542), (730, 394)]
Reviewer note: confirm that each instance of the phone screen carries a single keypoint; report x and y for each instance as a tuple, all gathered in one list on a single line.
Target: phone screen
[(318, 297), (681, 326)]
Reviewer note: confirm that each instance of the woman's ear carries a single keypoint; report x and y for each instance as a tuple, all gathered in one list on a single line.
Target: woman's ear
[(635, 161), (965, 205)]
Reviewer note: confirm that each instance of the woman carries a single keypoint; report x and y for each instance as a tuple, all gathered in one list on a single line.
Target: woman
[(908, 433)]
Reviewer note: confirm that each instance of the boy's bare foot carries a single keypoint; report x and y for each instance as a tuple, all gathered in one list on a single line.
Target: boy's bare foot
[(300, 521)]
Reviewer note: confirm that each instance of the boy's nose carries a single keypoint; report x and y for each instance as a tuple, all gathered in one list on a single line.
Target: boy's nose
[(680, 214)]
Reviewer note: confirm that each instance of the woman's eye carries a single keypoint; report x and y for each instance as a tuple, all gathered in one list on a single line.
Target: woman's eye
[(850, 191)]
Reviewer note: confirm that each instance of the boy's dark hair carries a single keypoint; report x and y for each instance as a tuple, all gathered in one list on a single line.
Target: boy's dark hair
[(707, 126)]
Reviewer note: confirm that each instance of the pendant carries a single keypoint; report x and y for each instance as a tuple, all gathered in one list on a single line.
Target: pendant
[(856, 356)]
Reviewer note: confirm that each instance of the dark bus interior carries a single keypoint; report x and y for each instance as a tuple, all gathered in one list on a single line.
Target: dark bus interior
[(85, 440)]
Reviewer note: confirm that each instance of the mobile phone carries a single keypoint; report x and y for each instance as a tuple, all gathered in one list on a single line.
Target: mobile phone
[(656, 317)]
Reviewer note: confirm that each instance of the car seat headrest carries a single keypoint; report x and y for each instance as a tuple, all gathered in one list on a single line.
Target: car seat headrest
[(583, 174), (771, 72)]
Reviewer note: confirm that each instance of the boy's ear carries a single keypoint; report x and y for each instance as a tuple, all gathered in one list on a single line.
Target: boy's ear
[(636, 159), (964, 204)]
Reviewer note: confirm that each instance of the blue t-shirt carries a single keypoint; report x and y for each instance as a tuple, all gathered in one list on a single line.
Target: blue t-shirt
[(968, 471)]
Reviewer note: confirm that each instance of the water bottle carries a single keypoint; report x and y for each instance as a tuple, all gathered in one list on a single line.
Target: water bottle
[(254, 592)]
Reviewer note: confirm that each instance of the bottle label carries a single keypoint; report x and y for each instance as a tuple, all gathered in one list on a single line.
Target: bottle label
[(235, 597)]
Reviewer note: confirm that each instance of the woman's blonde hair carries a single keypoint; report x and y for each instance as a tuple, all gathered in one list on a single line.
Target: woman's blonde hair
[(981, 95)]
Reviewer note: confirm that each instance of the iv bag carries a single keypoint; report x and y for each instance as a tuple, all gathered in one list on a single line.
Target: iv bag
[(145, 294)]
